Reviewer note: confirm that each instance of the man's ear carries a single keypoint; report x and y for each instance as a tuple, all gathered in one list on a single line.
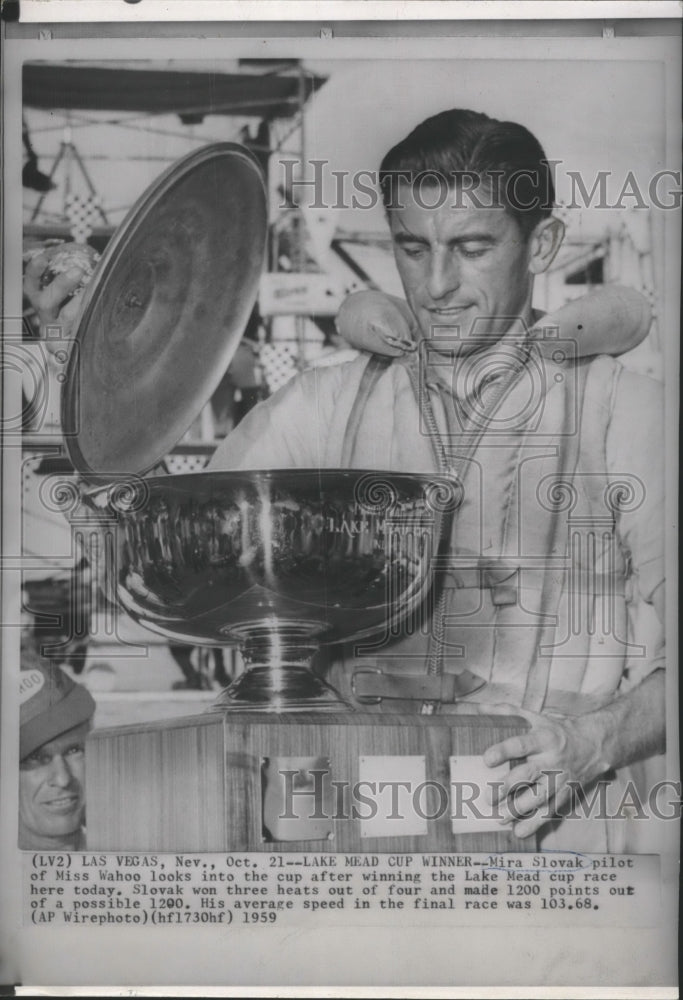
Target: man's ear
[(546, 240)]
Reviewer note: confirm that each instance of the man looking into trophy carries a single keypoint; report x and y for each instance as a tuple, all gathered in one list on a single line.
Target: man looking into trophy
[(517, 429), (549, 604)]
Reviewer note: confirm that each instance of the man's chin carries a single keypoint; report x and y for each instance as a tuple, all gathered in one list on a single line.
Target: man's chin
[(53, 840), (54, 830)]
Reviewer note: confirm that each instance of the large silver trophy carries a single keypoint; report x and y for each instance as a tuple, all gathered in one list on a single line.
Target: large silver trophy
[(276, 561)]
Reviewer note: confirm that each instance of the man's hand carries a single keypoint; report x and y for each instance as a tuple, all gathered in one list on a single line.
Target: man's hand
[(53, 304), (556, 751), (577, 749)]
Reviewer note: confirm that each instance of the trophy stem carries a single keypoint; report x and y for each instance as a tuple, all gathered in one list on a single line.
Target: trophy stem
[(277, 673)]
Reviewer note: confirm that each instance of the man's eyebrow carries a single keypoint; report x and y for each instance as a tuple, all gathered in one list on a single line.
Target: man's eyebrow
[(406, 237), (473, 238)]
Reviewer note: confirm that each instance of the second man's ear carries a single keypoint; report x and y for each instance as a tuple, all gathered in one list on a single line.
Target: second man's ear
[(546, 240)]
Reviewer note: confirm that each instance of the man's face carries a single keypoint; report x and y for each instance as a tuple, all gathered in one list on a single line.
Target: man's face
[(51, 792), (461, 264)]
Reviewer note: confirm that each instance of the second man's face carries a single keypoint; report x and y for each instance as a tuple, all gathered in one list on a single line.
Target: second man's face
[(464, 268), (51, 791)]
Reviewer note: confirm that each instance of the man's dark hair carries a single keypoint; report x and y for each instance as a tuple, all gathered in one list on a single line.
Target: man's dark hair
[(503, 158)]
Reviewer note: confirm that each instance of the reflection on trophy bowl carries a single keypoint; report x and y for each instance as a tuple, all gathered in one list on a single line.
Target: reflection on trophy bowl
[(278, 561)]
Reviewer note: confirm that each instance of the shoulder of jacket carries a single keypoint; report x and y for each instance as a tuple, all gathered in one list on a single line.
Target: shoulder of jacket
[(608, 368), (334, 375), (325, 376), (640, 388)]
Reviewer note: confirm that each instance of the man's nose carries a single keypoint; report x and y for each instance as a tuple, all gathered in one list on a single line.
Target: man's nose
[(60, 772), (444, 277)]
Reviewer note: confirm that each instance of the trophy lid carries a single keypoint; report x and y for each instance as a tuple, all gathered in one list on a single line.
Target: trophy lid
[(165, 311)]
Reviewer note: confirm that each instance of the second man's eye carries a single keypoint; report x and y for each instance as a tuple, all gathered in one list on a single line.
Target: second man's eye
[(37, 759)]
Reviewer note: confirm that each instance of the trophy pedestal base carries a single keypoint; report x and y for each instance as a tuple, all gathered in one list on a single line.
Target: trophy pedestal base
[(296, 782), (294, 689)]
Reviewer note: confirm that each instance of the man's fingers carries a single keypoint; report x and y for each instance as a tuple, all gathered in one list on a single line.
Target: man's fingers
[(512, 748), (62, 286), (49, 301), (523, 774), (529, 799), (65, 321), (69, 312), (33, 272), (547, 809), (529, 804), (540, 796)]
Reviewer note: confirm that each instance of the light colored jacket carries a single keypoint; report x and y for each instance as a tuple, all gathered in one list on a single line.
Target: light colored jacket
[(596, 526), (557, 548)]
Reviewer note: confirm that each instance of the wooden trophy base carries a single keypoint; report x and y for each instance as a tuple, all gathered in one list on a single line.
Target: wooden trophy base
[(296, 782)]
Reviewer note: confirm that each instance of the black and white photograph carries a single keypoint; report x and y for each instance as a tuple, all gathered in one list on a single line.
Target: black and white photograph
[(340, 500)]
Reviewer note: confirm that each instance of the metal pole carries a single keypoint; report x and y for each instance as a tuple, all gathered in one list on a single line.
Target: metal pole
[(53, 171), (300, 325)]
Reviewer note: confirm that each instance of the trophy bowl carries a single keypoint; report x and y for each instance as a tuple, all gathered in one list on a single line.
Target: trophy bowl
[(278, 562)]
